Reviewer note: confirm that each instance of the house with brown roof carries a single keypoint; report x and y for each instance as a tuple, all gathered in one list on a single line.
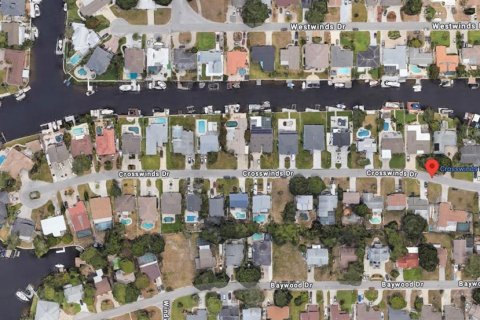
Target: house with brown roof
[(316, 56), (347, 255), (103, 287), (447, 63), (391, 143), (337, 314), (396, 202), (81, 146), (451, 220), (311, 313), (350, 198), (278, 313), (460, 251), (15, 162), (15, 65), (147, 211), (101, 210), (290, 58), (471, 57), (408, 261), (170, 206), (14, 31), (78, 220), (365, 312), (134, 63), (105, 142), (124, 205), (148, 264)]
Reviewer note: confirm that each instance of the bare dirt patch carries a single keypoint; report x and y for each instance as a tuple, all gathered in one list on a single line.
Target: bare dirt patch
[(280, 196), (214, 10), (367, 185), (281, 39), (178, 267), (288, 263), (185, 37), (256, 39)]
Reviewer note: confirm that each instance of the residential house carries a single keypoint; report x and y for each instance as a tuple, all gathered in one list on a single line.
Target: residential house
[(290, 58), (264, 56), (57, 153), (341, 63), (261, 135), (73, 294), (83, 39), (408, 261), (445, 142), (446, 63), (158, 61), (210, 63), (134, 63), (4, 201), (79, 220), (419, 206), (351, 198), (261, 205), (25, 229), (304, 203), (374, 203), (234, 253), (15, 162), (419, 60), (124, 205), (429, 313), (216, 207), (15, 32), (418, 139), (317, 256), (194, 206), (171, 205), (229, 313), (337, 314), (313, 138), (184, 60), (340, 132), (453, 313), (368, 59), (14, 66), (397, 314), (124, 278), (209, 143), (54, 226), (396, 202), (47, 310), (156, 135), (287, 143), (394, 62), (101, 210), (81, 146), (327, 205), (131, 144), (182, 141), (148, 264), (205, 259), (470, 154), (105, 142), (366, 312), (471, 57), (147, 212), (252, 314), (278, 313), (90, 8), (13, 8), (239, 205), (311, 313), (316, 56), (99, 60), (473, 312), (391, 143), (286, 3), (377, 254), (200, 315), (347, 256), (102, 286), (451, 220), (262, 253), (237, 64)]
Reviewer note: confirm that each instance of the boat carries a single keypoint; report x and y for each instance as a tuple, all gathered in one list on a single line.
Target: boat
[(359, 107), (126, 87), (341, 106), (290, 85), (447, 83), (417, 88), (339, 85), (236, 85), (159, 85), (21, 296), (20, 95), (35, 32), (201, 85), (29, 291), (59, 47), (391, 84), (208, 110), (190, 109), (213, 86), (373, 83)]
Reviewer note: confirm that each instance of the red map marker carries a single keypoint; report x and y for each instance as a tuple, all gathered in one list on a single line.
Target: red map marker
[(432, 165)]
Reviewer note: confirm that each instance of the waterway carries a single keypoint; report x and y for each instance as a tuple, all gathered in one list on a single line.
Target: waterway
[(17, 273)]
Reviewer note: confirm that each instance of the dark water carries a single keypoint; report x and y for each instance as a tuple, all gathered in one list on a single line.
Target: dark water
[(50, 99), (27, 269)]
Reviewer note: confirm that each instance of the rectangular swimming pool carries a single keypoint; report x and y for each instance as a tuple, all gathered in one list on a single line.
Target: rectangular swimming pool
[(78, 132), (75, 59), (160, 120), (201, 127)]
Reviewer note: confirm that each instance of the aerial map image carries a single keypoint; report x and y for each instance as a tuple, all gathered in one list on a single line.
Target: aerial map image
[(239, 160)]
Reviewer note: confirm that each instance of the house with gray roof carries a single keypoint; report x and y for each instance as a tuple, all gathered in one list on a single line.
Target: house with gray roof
[(4, 201), (73, 294), (134, 62), (99, 60), (229, 313), (199, 315), (470, 154), (184, 60), (209, 143), (313, 137), (238, 205), (213, 62), (317, 256), (216, 207), (327, 205), (261, 135), (57, 153), (265, 56), (290, 58), (452, 313), (394, 61), (368, 59), (47, 310), (366, 312), (419, 57), (377, 253), (182, 141), (397, 314), (124, 204), (304, 202), (341, 138), (471, 56), (194, 202), (12, 8), (252, 314), (262, 253), (205, 259), (374, 203), (444, 142), (156, 137), (341, 58), (316, 56), (234, 253), (429, 313), (418, 139), (287, 143), (131, 143), (24, 228), (238, 3), (171, 203), (419, 206), (261, 203)]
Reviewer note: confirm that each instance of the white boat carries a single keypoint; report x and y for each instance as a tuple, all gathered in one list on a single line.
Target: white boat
[(35, 32), (126, 87), (339, 85), (29, 291), (341, 106), (59, 48), (20, 95), (208, 110), (373, 83), (21, 296), (159, 85), (391, 84), (37, 10), (417, 88)]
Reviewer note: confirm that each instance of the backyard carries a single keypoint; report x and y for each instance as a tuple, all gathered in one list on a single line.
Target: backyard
[(463, 200)]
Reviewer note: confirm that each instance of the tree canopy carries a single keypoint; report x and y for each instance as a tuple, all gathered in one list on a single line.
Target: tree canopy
[(250, 297), (412, 7), (126, 4), (413, 226), (153, 243), (163, 2), (254, 13), (317, 12), (282, 298), (208, 279), (127, 266), (299, 185), (248, 275), (397, 302), (428, 256)]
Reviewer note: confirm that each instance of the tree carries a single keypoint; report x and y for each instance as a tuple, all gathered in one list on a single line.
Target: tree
[(397, 302), (94, 257), (127, 266), (476, 295), (317, 12), (418, 304), (358, 116), (301, 298), (282, 298), (412, 7), (472, 267), (208, 279), (289, 212), (315, 185), (353, 275), (142, 281), (163, 2), (125, 293), (126, 4), (428, 256), (254, 13), (214, 305), (115, 239), (115, 190), (395, 241), (361, 210), (81, 164), (430, 13), (41, 246), (248, 275), (283, 233), (433, 72), (153, 243), (298, 185), (250, 297), (7, 183), (413, 226)]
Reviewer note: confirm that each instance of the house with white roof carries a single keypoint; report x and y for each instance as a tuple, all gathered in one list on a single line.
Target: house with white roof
[(394, 61), (54, 225), (261, 205), (83, 39), (210, 64), (158, 60)]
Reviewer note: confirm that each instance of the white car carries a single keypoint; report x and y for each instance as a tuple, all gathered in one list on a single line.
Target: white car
[(37, 10)]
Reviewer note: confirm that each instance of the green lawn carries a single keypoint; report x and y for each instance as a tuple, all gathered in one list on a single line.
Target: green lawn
[(132, 16), (412, 274), (294, 309), (313, 118), (43, 171), (474, 37), (224, 161), (397, 161), (183, 305), (346, 299), (150, 162), (440, 38), (304, 159), (269, 160), (468, 176), (355, 40), (175, 227), (326, 159), (175, 161), (226, 186), (187, 122), (205, 41)]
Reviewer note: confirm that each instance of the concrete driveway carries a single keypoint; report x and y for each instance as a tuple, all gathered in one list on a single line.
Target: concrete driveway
[(317, 159)]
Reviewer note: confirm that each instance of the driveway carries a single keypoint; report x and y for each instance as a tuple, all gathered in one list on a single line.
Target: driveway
[(346, 12), (317, 159)]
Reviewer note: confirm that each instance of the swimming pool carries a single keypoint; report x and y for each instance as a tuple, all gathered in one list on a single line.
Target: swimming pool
[(135, 130), (75, 59), (258, 236), (376, 219), (168, 219), (126, 221), (82, 72), (343, 71), (415, 69), (78, 132), (99, 131), (2, 159), (147, 225), (386, 126), (363, 133), (191, 219), (239, 215), (261, 218), (201, 127), (159, 120), (231, 124)]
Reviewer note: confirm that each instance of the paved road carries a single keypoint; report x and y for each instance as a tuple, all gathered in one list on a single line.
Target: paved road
[(158, 299)]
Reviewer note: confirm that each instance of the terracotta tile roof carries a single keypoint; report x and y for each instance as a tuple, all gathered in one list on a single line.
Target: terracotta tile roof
[(235, 61), (446, 214), (105, 143), (101, 208), (337, 314), (311, 313), (445, 62), (408, 261), (79, 217), (15, 162), (277, 313), (81, 146), (16, 60)]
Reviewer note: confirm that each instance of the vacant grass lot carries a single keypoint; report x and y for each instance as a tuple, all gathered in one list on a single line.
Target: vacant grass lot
[(411, 187), (225, 160), (463, 200), (280, 196), (215, 10), (132, 16), (288, 263), (440, 38), (434, 192), (366, 185), (387, 185), (205, 41), (359, 11), (256, 39), (346, 299), (178, 267), (355, 40), (162, 15)]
